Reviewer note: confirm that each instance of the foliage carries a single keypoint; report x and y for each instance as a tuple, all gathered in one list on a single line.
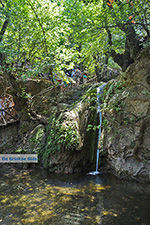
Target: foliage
[(36, 140), (61, 135), (54, 36)]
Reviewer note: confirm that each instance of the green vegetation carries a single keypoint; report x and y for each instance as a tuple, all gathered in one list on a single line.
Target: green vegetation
[(54, 36), (36, 141), (61, 135), (50, 38)]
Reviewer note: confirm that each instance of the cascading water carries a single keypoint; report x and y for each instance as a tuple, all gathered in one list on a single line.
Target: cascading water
[(99, 93), (97, 159)]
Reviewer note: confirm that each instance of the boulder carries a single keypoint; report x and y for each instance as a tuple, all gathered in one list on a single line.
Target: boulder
[(66, 149)]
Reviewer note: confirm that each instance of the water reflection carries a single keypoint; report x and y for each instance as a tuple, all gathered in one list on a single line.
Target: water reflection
[(35, 197)]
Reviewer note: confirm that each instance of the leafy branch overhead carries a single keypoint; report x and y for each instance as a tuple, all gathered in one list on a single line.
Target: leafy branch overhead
[(54, 36)]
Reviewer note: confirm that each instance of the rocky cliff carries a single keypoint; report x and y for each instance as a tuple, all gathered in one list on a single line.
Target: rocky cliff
[(53, 123), (126, 133)]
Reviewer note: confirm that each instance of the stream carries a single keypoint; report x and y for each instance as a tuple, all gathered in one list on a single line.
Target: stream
[(37, 197)]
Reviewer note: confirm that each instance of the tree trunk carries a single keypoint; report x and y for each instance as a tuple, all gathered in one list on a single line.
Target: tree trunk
[(3, 30), (132, 47)]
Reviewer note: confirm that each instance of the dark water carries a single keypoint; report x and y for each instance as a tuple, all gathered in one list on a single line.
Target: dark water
[(34, 197)]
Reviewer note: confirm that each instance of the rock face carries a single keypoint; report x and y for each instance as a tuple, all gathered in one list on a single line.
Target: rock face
[(126, 134), (53, 125), (65, 150)]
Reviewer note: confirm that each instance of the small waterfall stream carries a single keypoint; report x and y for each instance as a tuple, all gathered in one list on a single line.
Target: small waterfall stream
[(99, 93), (97, 159)]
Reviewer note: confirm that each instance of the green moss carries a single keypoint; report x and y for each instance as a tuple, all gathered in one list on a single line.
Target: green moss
[(61, 135), (92, 140)]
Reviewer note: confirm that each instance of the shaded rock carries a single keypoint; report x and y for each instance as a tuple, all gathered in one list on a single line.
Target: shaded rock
[(53, 100), (66, 150), (62, 149), (34, 86), (126, 138), (35, 140), (9, 138)]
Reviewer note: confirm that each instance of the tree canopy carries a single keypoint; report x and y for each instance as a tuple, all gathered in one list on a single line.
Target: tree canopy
[(53, 36)]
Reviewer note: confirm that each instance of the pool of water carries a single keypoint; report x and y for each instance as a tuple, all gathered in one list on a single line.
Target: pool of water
[(36, 197)]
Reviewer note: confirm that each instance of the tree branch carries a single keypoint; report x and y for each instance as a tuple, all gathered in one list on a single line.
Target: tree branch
[(42, 28), (109, 36), (123, 60), (2, 3), (3, 30)]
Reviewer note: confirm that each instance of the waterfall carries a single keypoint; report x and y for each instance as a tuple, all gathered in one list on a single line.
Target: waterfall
[(97, 159), (99, 93)]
